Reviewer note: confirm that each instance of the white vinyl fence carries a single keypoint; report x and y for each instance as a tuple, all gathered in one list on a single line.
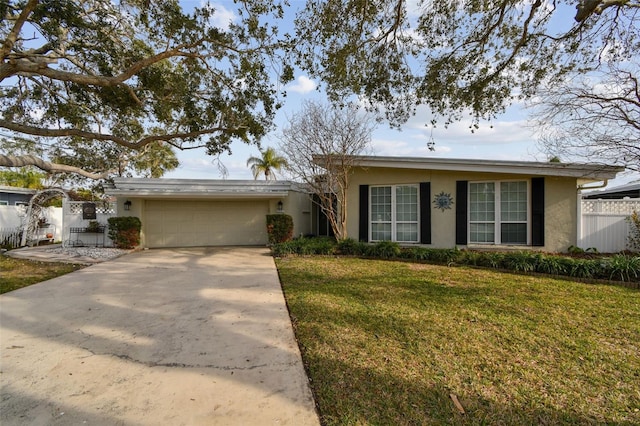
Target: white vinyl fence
[(604, 224), (12, 220), (73, 221)]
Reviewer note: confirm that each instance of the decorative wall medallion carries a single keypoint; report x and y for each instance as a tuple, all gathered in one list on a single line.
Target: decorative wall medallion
[(443, 201)]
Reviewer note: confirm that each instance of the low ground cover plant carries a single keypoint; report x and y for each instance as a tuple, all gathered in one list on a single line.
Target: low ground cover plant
[(619, 267), (389, 342)]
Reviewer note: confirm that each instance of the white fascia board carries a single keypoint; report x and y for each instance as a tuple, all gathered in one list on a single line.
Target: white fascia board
[(210, 195), (591, 172), (17, 190), (201, 188)]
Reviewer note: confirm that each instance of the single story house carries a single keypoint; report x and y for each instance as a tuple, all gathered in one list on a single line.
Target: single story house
[(13, 196), (200, 212), (434, 202), (631, 190)]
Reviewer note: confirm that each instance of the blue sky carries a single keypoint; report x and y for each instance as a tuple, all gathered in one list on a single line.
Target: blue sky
[(509, 137)]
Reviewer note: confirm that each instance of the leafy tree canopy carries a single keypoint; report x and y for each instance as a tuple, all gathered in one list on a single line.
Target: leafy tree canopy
[(101, 75), (23, 178), (459, 57)]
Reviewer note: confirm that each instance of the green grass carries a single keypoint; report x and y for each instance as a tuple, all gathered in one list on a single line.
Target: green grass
[(18, 273), (388, 343)]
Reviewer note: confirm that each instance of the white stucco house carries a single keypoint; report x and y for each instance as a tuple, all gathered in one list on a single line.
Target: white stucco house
[(191, 213), (433, 202)]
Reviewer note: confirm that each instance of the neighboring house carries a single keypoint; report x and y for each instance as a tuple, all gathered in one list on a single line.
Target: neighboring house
[(631, 190), (443, 203), (14, 196), (434, 202), (190, 213)]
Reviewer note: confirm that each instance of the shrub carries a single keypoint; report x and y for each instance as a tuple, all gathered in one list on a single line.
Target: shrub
[(447, 256), (283, 249), (521, 261), (320, 245), (634, 231), (305, 246), (384, 250), (554, 265), (279, 228), (492, 259), (623, 268), (583, 268), (125, 231), (470, 257), (351, 247), (415, 253)]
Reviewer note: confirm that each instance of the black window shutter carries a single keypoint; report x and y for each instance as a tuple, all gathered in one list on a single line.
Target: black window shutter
[(425, 212), (537, 211), (363, 225), (461, 212)]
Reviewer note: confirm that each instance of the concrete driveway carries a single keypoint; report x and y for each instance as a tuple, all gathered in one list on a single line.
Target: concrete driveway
[(158, 337)]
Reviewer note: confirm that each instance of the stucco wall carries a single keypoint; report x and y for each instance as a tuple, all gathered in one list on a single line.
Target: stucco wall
[(296, 204), (560, 202)]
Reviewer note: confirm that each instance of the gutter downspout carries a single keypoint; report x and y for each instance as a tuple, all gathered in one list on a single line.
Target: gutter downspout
[(579, 209)]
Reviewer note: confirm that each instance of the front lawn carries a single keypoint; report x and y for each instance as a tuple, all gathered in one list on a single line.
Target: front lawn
[(18, 273), (396, 343)]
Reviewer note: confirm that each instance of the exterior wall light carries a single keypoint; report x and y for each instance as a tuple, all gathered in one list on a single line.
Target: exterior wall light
[(280, 206), (127, 205)]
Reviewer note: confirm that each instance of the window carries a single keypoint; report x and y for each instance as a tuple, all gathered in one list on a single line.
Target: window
[(498, 212), (394, 213), (4, 203)]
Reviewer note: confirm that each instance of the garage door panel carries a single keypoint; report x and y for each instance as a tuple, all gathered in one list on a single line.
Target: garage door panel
[(205, 223)]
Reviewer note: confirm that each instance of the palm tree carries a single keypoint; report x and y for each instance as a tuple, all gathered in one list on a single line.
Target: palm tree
[(266, 164)]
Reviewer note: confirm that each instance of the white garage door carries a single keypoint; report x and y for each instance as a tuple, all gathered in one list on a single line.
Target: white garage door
[(205, 223)]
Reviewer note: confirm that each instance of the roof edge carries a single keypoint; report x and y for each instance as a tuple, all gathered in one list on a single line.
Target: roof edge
[(588, 171)]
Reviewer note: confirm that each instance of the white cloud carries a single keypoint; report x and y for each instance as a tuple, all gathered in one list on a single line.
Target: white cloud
[(222, 17), (302, 85)]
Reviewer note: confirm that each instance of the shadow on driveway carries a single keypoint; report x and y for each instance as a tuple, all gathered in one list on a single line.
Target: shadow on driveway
[(181, 336)]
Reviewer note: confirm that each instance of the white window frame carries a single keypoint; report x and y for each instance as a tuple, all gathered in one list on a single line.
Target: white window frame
[(4, 203), (394, 221), (497, 213)]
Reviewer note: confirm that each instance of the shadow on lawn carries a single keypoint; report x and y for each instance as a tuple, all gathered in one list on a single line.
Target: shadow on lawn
[(388, 399)]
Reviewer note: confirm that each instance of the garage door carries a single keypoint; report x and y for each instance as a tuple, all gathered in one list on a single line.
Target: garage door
[(205, 223)]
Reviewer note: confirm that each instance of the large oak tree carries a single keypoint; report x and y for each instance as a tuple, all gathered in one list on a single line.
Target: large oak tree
[(473, 57), (133, 75)]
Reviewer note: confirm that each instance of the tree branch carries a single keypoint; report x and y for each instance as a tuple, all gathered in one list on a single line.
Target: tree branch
[(586, 8), (59, 133), (30, 160), (10, 41)]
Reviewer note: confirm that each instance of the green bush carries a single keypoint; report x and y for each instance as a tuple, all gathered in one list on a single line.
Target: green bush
[(305, 246), (621, 267), (384, 250), (279, 228), (583, 268), (283, 249), (554, 265), (471, 257), (124, 231), (351, 247), (521, 261)]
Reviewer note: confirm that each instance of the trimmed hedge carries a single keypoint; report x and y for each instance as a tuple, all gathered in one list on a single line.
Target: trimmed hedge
[(124, 231), (620, 267), (279, 228)]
